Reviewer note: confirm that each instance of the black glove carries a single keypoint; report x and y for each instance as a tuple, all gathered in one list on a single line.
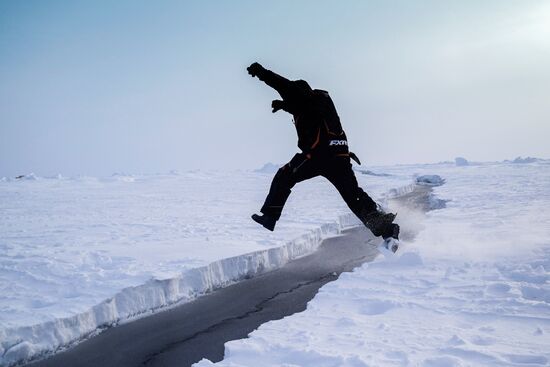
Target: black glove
[(277, 104), (255, 69)]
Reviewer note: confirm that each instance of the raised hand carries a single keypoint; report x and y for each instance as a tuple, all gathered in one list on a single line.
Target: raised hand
[(255, 69)]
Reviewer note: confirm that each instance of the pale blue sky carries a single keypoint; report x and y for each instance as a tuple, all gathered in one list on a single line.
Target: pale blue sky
[(96, 87)]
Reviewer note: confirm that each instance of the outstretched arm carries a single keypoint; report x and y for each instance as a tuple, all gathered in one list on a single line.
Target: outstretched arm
[(282, 85)]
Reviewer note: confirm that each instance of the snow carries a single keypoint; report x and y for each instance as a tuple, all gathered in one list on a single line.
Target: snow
[(471, 289), (369, 172), (430, 180), (79, 254)]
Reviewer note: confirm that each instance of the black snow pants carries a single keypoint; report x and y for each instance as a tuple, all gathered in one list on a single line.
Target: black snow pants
[(337, 169)]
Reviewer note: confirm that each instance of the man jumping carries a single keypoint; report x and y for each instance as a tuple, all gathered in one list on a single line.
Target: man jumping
[(325, 153)]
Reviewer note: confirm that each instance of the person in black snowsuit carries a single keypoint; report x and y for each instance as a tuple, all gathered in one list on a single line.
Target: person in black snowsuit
[(324, 153)]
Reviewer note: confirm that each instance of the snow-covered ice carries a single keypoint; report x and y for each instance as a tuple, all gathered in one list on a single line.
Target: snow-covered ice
[(430, 180), (80, 253), (472, 289)]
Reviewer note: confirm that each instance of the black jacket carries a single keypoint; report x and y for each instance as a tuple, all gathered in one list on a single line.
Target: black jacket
[(317, 123)]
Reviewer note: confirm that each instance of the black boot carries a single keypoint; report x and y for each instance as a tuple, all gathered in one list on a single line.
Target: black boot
[(381, 224), (265, 220), (391, 231)]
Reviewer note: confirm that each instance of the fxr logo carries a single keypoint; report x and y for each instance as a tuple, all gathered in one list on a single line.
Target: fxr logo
[(338, 142)]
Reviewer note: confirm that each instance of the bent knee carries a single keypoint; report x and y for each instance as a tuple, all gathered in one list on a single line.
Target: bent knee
[(284, 176)]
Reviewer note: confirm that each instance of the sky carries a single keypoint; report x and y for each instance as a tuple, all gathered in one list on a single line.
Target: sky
[(98, 87)]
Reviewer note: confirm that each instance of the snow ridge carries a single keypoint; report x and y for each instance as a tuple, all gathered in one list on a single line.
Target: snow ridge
[(23, 344)]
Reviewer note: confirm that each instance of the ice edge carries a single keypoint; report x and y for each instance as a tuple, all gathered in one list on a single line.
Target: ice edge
[(23, 344)]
